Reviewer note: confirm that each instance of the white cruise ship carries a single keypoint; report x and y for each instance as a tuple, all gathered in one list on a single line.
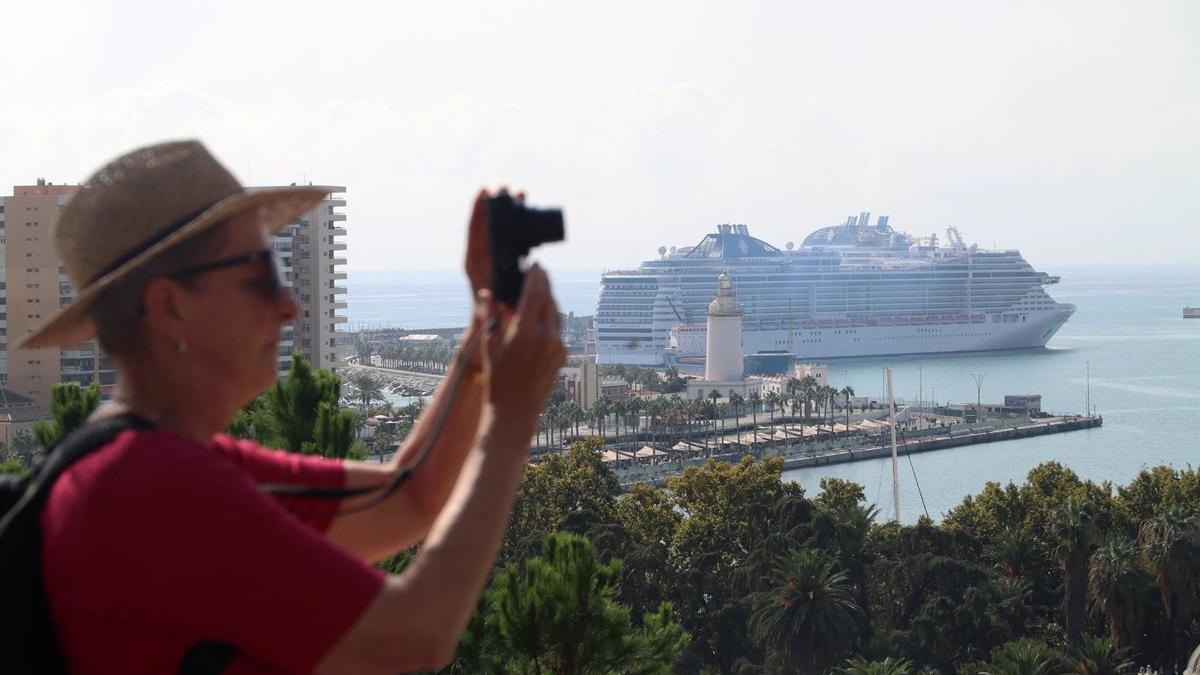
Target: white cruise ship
[(849, 290)]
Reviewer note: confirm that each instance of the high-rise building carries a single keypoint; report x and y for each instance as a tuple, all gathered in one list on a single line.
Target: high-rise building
[(313, 259), (311, 252), (36, 286)]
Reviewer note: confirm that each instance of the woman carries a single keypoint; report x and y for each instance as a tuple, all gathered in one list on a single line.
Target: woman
[(162, 539)]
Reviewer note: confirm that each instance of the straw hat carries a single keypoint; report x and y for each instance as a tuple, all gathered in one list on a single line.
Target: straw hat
[(139, 205)]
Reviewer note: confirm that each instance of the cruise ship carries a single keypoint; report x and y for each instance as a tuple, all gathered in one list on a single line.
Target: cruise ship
[(849, 290)]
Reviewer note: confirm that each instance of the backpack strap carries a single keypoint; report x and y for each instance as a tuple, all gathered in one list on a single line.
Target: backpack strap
[(27, 639), (207, 658)]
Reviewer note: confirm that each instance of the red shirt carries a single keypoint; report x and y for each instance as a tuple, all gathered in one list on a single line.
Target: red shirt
[(155, 543)]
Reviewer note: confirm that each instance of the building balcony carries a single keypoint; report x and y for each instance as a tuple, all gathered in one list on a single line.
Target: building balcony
[(340, 276), (340, 319), (339, 305), (339, 246), (337, 202), (339, 216), (338, 290), (338, 231), (339, 261)]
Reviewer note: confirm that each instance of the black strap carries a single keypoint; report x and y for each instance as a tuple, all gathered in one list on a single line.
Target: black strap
[(207, 658)]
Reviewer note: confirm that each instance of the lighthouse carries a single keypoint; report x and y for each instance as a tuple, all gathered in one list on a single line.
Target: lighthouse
[(723, 356)]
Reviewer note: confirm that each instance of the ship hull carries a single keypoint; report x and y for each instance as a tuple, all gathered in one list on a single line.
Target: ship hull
[(864, 341)]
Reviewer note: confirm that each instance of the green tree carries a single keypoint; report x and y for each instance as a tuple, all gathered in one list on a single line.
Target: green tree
[(70, 406), (13, 466), (365, 389), (886, 666), (561, 616), (23, 444), (1022, 657), (807, 616), (1014, 553), (572, 492), (836, 492), (1074, 530), (847, 391), (333, 432), (1099, 656), (288, 412), (1118, 587), (1171, 542)]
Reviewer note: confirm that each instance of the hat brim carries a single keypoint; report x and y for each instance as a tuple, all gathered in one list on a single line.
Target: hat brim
[(73, 325)]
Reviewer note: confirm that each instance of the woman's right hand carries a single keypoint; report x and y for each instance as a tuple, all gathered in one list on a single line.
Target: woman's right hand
[(522, 357)]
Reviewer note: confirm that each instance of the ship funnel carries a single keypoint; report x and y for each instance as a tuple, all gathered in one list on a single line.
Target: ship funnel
[(864, 219), (883, 221)]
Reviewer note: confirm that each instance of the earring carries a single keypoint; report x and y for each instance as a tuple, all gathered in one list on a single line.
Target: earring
[(181, 346)]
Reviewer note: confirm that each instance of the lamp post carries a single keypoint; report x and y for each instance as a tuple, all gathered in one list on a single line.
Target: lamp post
[(978, 392), (1087, 402)]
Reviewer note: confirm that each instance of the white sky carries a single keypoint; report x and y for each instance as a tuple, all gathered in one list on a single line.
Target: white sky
[(1069, 130)]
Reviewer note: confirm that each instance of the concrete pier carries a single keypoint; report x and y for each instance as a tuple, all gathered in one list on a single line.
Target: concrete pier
[(803, 455)]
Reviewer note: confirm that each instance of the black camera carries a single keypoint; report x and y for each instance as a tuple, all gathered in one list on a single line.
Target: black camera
[(514, 229)]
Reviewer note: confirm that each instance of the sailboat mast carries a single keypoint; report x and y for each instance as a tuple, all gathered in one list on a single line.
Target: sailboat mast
[(895, 464)]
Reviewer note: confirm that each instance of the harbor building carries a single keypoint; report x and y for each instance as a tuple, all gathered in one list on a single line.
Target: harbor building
[(818, 372)]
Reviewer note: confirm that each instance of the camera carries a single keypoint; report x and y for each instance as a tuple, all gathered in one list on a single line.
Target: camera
[(514, 229)]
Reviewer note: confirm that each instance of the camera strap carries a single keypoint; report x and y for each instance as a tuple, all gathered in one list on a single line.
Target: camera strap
[(387, 489)]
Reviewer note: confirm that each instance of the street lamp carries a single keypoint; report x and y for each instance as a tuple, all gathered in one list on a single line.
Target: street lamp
[(978, 389)]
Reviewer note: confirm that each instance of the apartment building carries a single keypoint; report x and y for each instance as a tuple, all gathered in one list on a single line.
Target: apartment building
[(312, 252), (35, 286)]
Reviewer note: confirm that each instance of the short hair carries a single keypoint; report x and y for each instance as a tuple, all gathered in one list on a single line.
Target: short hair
[(117, 313)]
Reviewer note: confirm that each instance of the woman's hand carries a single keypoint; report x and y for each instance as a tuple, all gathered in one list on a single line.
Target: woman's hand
[(523, 355), (478, 262)]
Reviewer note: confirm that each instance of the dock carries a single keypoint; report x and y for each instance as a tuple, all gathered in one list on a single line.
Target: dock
[(805, 455)]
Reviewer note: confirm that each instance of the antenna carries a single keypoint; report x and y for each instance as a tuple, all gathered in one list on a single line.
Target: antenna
[(892, 415)]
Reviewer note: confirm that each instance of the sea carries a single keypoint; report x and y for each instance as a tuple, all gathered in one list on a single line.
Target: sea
[(1127, 351)]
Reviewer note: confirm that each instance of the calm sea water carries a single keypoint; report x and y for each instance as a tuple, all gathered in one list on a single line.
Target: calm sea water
[(1144, 361)]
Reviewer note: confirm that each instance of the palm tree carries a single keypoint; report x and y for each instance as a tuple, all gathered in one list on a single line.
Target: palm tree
[(366, 389), (889, 666), (1115, 583), (808, 389), (1171, 542), (1021, 657), (1100, 656), (736, 401), (847, 391), (755, 399), (1014, 553), (846, 528), (600, 411), (807, 616), (634, 408), (773, 398), (1074, 529)]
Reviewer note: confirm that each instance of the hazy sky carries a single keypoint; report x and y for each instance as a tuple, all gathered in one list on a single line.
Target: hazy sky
[(1069, 130)]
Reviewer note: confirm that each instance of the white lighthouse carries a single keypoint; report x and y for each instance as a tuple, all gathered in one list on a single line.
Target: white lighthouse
[(723, 356)]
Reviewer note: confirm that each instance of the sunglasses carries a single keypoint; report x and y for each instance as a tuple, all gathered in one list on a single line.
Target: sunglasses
[(270, 286)]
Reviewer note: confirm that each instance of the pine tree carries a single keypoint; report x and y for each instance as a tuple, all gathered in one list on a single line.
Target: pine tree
[(70, 406), (561, 617), (287, 414)]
